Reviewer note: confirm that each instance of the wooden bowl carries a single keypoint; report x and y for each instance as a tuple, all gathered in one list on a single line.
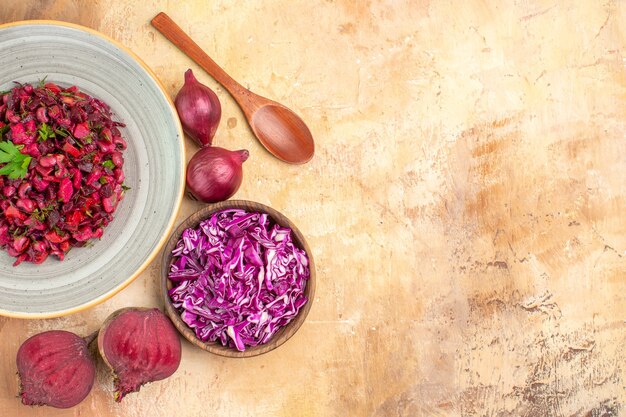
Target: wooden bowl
[(216, 347)]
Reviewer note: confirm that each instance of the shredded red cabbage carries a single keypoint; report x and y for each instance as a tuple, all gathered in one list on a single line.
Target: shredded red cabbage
[(238, 278)]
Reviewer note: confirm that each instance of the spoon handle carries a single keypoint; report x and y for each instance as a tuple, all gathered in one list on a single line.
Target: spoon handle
[(164, 24)]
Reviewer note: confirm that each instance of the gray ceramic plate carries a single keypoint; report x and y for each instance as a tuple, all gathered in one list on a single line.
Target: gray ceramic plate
[(154, 166)]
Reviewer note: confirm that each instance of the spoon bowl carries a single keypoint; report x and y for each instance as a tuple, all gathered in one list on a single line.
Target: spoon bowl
[(284, 132), (281, 131)]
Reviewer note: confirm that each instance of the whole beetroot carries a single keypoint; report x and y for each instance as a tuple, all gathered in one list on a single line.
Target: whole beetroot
[(55, 369), (140, 345)]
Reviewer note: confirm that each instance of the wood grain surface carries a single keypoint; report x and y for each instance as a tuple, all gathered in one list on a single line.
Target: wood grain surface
[(465, 206)]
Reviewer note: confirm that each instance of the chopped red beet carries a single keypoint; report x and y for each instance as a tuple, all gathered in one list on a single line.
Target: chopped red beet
[(72, 150), (81, 130), (64, 187)]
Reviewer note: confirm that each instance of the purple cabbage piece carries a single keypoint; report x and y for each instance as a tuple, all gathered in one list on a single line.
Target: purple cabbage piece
[(238, 278)]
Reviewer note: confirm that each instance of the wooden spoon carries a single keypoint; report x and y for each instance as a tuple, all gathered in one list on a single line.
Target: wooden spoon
[(279, 129)]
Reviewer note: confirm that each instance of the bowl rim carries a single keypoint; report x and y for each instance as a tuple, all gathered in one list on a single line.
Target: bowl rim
[(179, 198), (287, 332)]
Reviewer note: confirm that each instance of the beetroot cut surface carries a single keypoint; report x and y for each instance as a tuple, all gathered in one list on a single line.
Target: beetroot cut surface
[(140, 346), (55, 369)]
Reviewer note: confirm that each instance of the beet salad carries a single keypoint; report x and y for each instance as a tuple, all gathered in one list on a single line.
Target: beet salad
[(61, 177)]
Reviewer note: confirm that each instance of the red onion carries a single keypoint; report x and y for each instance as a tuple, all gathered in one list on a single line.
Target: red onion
[(55, 369), (140, 345), (214, 174), (199, 110)]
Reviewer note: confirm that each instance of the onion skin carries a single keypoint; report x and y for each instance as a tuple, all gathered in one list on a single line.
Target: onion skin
[(55, 369), (199, 110), (140, 345), (215, 174)]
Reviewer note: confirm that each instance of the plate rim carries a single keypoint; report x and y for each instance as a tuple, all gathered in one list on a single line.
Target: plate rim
[(179, 198)]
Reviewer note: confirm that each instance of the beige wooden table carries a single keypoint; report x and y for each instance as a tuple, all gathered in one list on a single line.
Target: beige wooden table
[(466, 206)]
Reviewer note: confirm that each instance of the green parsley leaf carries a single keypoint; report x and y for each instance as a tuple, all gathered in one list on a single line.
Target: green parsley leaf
[(42, 214), (108, 164), (16, 163), (125, 187), (9, 151), (62, 132), (42, 82), (45, 132), (89, 156), (38, 215)]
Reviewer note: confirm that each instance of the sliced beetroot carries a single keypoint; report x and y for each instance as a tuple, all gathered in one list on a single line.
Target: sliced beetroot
[(55, 369), (140, 345)]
